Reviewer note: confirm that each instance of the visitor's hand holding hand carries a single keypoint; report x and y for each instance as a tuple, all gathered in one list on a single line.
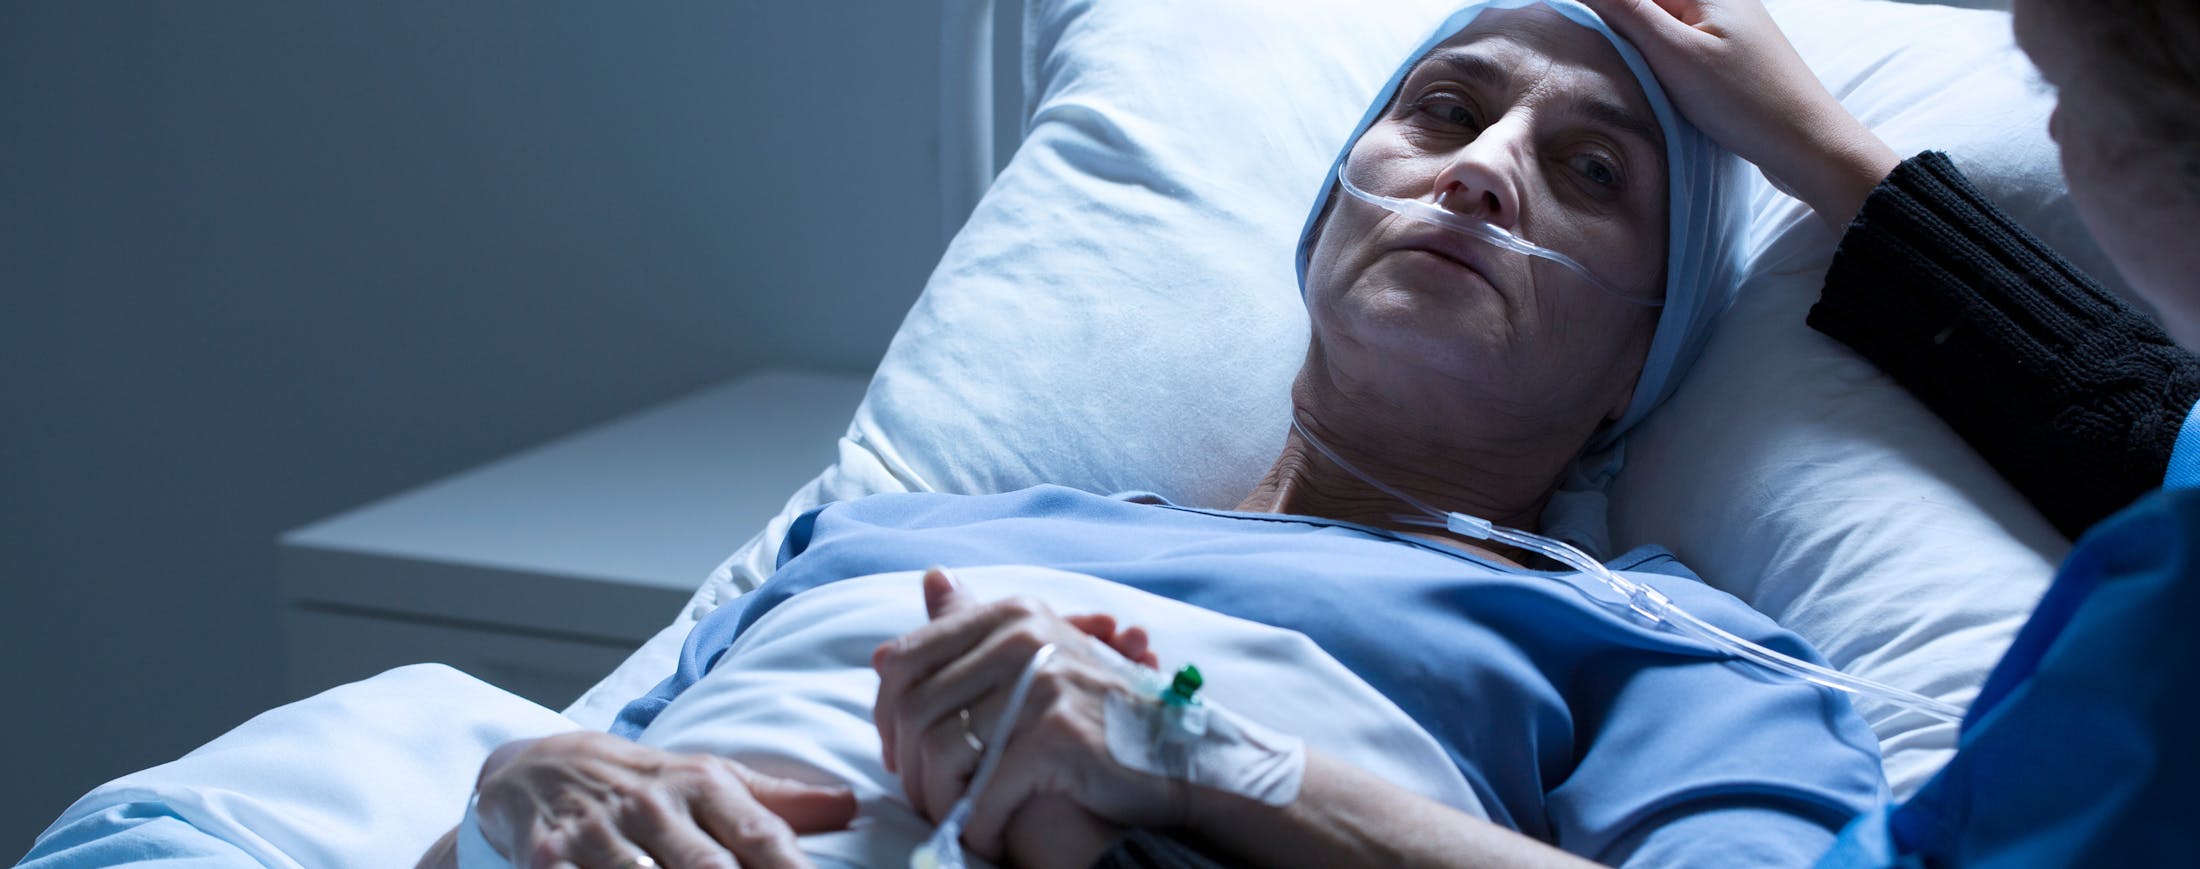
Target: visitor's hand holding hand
[(968, 658), (1728, 68), (593, 799)]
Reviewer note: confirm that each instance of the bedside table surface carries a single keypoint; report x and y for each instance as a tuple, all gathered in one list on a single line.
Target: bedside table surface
[(656, 499)]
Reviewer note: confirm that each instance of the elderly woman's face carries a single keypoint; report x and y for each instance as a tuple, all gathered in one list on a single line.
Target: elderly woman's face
[(1533, 123)]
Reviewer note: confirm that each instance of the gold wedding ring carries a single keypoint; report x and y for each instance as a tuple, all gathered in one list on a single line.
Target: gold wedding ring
[(970, 737)]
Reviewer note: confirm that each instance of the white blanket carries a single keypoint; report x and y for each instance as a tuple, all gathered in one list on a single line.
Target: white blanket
[(365, 774), (369, 774), (793, 694)]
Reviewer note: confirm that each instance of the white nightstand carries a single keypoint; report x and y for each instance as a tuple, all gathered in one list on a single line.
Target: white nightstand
[(541, 571)]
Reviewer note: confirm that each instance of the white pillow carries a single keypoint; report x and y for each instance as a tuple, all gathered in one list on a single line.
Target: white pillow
[(1121, 313), (1791, 473)]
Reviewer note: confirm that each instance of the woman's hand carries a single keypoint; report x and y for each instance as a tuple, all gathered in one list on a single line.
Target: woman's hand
[(1727, 66), (592, 799), (968, 658)]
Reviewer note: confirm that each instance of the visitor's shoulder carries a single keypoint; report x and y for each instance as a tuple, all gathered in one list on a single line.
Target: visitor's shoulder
[(2161, 525)]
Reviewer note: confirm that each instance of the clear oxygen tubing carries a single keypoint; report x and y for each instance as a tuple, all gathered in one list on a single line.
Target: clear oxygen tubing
[(1436, 214), (1645, 602), (944, 849)]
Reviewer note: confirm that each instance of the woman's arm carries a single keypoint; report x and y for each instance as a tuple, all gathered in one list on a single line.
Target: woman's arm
[(1347, 817), (2073, 395), (1732, 73)]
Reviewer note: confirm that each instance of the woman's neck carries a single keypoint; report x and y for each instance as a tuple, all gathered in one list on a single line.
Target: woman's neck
[(1304, 480)]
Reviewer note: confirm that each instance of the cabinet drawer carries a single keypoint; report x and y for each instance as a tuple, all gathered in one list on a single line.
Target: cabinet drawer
[(329, 648)]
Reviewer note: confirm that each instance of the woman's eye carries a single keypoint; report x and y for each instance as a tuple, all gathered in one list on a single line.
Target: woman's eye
[(1598, 171), (1448, 110)]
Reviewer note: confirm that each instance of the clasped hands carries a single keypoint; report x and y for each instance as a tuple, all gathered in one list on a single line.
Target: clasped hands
[(589, 799)]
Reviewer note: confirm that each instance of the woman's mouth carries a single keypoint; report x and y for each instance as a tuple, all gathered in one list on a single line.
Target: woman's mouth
[(1450, 260)]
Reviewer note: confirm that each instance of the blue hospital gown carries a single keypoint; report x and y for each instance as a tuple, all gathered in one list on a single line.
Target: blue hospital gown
[(1616, 741)]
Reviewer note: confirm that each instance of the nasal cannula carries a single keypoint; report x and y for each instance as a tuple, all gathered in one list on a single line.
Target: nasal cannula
[(1643, 602), (1436, 214)]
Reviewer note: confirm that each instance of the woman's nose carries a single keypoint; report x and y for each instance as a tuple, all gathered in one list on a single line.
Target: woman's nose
[(1483, 178)]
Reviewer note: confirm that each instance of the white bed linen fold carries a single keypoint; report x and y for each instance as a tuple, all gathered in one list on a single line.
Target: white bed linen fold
[(364, 774), (371, 773)]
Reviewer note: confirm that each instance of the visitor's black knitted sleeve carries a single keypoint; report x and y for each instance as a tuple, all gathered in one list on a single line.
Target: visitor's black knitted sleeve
[(2072, 394)]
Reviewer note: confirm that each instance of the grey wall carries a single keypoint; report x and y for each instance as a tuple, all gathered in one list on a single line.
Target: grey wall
[(264, 260)]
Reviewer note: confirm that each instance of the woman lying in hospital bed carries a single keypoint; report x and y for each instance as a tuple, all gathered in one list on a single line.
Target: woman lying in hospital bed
[(1421, 695)]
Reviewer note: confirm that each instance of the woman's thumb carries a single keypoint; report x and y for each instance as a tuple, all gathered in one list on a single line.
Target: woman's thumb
[(942, 595)]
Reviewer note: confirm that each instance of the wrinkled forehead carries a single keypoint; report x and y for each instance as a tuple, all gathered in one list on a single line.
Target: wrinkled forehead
[(1537, 51)]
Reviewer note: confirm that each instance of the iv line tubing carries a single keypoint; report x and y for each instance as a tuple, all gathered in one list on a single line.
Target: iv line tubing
[(1646, 602), (944, 849)]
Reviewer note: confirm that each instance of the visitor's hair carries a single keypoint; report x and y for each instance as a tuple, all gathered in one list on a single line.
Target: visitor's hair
[(2146, 53)]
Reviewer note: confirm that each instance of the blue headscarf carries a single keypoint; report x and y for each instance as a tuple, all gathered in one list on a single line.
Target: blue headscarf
[(1708, 205)]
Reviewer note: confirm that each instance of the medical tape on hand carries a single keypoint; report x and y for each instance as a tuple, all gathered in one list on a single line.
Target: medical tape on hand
[(1206, 745)]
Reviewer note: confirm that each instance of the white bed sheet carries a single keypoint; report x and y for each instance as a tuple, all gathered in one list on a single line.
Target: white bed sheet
[(371, 773), (364, 774), (793, 694)]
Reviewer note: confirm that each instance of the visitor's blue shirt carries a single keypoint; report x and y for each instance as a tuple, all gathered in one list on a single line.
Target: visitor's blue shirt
[(1611, 738), (2080, 749)]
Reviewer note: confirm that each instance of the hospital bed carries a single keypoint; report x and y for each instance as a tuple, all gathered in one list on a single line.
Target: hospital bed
[(1117, 314)]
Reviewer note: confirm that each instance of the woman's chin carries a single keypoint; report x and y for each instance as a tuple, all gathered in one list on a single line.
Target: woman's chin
[(1410, 315), (1398, 339)]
